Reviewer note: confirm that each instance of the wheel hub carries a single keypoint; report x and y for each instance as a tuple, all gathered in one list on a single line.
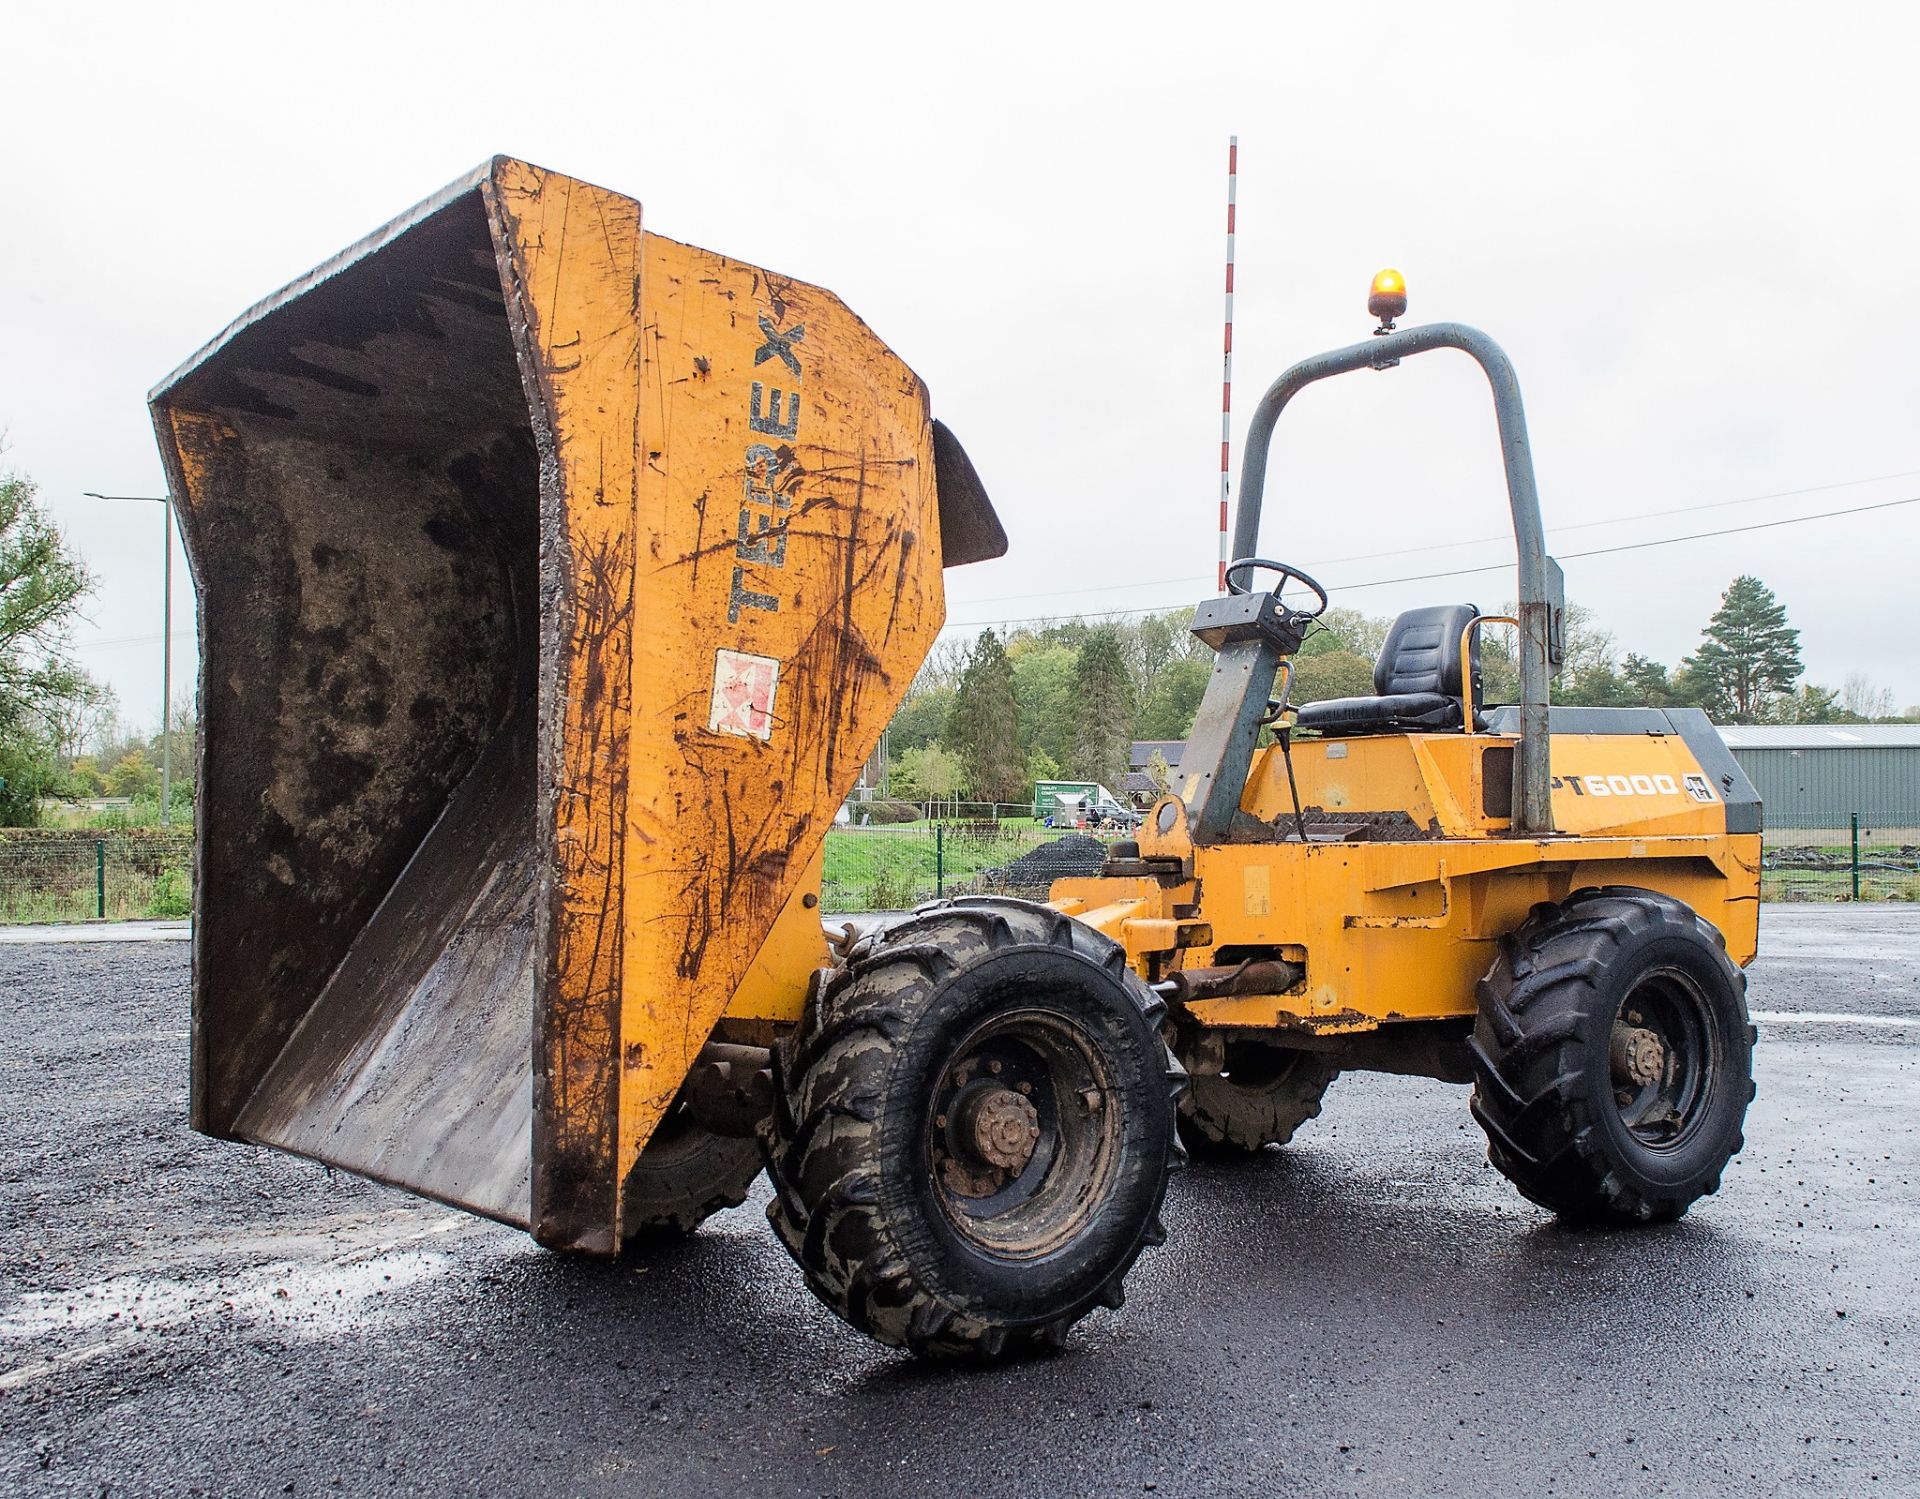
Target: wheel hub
[(999, 1128), (1639, 1056)]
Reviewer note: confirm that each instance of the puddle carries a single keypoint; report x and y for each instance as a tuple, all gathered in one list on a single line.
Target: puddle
[(314, 1299)]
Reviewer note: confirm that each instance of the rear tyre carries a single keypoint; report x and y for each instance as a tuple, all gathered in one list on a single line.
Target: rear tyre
[(686, 1174), (1262, 1096), (1613, 1057), (973, 1128)]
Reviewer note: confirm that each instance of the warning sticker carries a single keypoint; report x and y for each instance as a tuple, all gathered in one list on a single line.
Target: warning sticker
[(743, 692), (1700, 789)]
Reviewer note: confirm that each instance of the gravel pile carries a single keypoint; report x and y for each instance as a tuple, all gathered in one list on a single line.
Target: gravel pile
[(1790, 857), (1075, 854)]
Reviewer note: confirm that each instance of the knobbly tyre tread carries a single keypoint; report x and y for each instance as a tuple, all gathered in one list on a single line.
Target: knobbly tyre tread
[(823, 1147), (1549, 998), (684, 1178), (1220, 1121)]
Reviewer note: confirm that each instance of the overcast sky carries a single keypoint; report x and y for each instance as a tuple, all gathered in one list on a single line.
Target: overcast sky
[(1694, 227)]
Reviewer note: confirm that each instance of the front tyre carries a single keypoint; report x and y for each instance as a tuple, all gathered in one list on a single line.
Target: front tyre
[(973, 1128), (1261, 1096), (685, 1174), (1613, 1057)]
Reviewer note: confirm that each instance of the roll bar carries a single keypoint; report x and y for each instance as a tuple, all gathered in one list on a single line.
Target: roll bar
[(1542, 589)]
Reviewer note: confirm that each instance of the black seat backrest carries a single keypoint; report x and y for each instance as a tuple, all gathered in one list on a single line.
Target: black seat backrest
[(1422, 653)]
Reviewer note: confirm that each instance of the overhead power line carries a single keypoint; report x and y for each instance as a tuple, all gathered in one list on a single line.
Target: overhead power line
[(1445, 546), (96, 645), (1638, 546), (1464, 572)]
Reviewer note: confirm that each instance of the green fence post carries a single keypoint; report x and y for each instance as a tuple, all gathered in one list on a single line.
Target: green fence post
[(939, 861), (100, 878), (1856, 856)]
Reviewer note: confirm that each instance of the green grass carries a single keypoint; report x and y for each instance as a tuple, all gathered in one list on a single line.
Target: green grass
[(47, 895), (1837, 884), (892, 868), (138, 814)]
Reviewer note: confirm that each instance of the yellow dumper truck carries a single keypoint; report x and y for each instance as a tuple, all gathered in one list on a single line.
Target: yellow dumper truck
[(555, 581)]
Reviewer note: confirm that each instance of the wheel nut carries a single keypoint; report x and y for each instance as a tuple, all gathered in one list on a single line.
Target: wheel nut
[(1638, 1056), (1000, 1128)]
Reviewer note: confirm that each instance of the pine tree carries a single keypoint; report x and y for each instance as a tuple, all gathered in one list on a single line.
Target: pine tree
[(1104, 705), (982, 729), (1647, 681), (1749, 654)]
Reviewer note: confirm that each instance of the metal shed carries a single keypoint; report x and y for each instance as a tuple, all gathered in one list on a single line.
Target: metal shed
[(1819, 775)]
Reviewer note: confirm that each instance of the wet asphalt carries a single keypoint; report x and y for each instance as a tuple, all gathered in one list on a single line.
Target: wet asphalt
[(1370, 1311)]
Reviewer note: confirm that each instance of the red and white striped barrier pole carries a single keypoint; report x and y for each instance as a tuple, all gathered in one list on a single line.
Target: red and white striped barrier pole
[(1226, 367)]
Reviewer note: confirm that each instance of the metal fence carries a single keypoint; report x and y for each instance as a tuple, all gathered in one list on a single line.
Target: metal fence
[(1848, 859), (880, 868), (878, 810), (891, 868), (86, 876)]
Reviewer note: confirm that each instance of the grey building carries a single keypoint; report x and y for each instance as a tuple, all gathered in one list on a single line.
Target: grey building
[(1818, 775), (1144, 750)]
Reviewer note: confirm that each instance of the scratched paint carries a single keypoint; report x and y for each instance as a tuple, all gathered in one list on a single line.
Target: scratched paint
[(556, 581), (789, 503), (571, 259)]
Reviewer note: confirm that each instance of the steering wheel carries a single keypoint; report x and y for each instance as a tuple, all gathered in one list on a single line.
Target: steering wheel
[(1288, 574)]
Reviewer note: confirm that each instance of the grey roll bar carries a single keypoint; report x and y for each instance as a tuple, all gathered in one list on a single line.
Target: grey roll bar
[(1542, 590)]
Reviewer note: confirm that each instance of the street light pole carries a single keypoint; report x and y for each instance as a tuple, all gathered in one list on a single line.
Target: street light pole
[(166, 645)]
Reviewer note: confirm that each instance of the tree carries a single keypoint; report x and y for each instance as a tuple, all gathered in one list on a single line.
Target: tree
[(942, 667), (41, 586), (1749, 654), (982, 730), (1810, 704), (1646, 681), (1587, 647), (84, 777), (1043, 694), (921, 718), (83, 718), (1690, 689), (1159, 772), (1587, 674), (1160, 642), (1104, 703), (1174, 699), (134, 776), (1861, 699), (1348, 630), (924, 774), (1330, 674), (1596, 685), (183, 734)]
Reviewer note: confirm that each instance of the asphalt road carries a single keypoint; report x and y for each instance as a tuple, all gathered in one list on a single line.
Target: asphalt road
[(1371, 1311)]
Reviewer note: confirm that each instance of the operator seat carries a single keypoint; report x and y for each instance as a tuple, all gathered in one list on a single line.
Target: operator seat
[(1417, 678)]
